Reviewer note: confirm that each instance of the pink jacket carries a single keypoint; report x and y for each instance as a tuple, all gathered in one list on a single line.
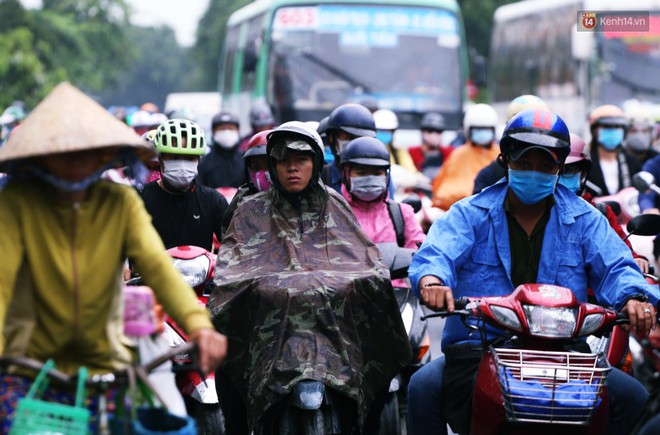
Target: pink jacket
[(375, 220)]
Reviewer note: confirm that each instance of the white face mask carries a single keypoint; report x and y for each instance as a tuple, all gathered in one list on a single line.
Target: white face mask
[(226, 138), (179, 173), (368, 188), (341, 144)]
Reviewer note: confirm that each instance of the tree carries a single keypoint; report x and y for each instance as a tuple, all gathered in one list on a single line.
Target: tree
[(210, 36)]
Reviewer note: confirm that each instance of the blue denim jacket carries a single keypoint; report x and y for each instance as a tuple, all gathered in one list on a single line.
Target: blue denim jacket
[(468, 249)]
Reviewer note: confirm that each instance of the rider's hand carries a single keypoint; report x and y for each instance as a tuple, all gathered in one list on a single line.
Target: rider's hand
[(437, 297), (643, 264), (212, 348), (642, 316)]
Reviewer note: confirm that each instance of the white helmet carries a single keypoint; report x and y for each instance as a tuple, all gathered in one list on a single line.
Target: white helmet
[(480, 115), (640, 115), (386, 120)]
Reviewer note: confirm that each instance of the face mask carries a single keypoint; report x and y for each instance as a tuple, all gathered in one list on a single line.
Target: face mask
[(639, 141), (226, 138), (368, 188), (432, 138), (341, 144), (260, 180), (385, 136), (610, 138), (482, 136), (571, 181), (179, 173), (531, 186)]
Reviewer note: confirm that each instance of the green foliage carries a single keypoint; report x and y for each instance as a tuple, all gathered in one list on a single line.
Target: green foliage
[(161, 67), (81, 41), (210, 36)]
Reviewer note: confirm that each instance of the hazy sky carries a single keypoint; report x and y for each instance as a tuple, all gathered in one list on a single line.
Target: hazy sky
[(181, 15)]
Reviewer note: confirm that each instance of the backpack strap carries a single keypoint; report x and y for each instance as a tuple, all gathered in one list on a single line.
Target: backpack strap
[(394, 208)]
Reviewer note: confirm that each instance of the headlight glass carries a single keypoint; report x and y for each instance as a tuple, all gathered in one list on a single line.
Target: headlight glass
[(590, 324), (194, 271), (550, 322), (507, 316)]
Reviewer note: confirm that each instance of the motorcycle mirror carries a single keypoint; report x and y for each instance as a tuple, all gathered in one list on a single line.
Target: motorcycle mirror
[(615, 206), (643, 181), (414, 201), (644, 225)]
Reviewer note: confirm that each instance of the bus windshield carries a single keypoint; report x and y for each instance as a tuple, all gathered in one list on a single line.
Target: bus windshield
[(323, 56), (620, 50)]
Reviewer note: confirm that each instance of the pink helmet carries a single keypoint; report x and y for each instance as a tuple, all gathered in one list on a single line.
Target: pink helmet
[(578, 152)]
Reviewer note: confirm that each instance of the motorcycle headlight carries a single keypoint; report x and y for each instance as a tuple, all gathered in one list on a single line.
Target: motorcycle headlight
[(590, 324), (506, 316), (550, 322), (194, 271), (173, 338)]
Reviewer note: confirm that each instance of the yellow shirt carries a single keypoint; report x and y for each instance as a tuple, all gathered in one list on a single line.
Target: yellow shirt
[(455, 179), (61, 271)]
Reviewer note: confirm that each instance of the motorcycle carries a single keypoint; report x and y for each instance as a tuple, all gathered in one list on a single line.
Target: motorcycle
[(531, 381), (393, 417), (197, 267)]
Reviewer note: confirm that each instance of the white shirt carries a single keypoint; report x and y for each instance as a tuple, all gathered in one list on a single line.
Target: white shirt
[(611, 175)]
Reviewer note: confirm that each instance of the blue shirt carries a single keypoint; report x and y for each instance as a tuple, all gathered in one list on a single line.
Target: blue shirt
[(468, 249)]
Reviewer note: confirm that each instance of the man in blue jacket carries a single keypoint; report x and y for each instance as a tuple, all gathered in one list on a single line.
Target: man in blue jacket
[(523, 229)]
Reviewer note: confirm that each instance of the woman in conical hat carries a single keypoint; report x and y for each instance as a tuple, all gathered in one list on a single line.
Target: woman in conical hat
[(68, 233)]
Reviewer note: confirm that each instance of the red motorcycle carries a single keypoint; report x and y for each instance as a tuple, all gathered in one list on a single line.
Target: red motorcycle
[(197, 266), (533, 382)]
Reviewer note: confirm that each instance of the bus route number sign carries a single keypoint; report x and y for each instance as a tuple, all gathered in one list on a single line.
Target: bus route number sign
[(296, 18)]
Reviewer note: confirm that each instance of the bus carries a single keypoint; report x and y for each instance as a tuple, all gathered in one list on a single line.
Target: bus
[(306, 58), (536, 48)]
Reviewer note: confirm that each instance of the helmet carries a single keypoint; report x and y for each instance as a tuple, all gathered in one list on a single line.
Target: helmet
[(149, 107), (536, 128), (353, 119), (150, 136), (524, 102), (433, 121), (640, 116), (170, 135), (257, 144), (323, 126), (608, 115), (142, 118), (480, 115), (577, 153), (224, 118), (12, 114), (385, 119), (261, 115), (367, 151), (292, 130), (370, 103)]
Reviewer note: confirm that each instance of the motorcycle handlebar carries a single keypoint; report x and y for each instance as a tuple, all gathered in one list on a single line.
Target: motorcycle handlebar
[(460, 305)]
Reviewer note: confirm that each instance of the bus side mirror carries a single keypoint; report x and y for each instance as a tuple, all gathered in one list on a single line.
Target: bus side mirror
[(582, 44)]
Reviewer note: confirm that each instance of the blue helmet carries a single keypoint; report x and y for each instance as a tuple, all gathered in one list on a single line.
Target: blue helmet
[(367, 151), (536, 128), (352, 118)]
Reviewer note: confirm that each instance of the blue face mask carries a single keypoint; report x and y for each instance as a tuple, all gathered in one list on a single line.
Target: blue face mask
[(481, 136), (571, 181), (610, 138), (385, 136), (531, 186)]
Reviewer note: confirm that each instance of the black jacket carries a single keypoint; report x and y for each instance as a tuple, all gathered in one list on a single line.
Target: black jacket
[(222, 167), (628, 166), (190, 218)]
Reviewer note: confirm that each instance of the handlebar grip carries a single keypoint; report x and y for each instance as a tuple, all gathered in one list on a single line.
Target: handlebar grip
[(461, 303)]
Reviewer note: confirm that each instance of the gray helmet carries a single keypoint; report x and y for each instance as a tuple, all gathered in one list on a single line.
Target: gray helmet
[(433, 121)]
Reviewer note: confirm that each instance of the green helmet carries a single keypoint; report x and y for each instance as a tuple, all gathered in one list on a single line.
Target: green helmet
[(170, 135)]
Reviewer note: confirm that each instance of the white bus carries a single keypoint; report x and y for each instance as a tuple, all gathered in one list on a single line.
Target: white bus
[(536, 49)]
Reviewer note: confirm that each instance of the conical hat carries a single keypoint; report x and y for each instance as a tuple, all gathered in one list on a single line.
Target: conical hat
[(68, 120)]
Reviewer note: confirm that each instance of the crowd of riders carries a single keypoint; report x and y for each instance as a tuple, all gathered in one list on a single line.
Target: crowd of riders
[(311, 200)]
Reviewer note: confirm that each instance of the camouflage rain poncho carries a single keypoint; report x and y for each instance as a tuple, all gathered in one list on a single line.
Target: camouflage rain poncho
[(300, 297)]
